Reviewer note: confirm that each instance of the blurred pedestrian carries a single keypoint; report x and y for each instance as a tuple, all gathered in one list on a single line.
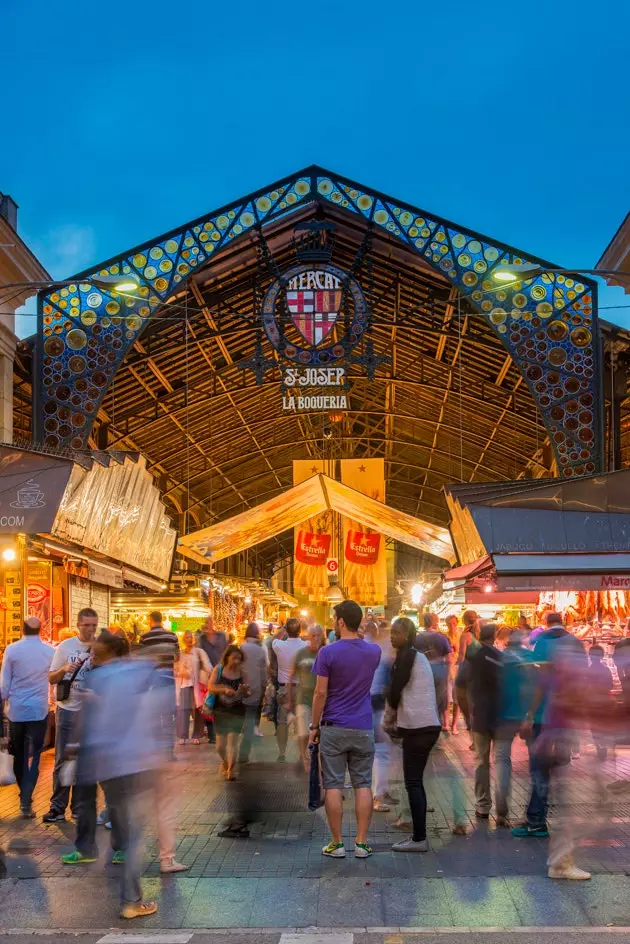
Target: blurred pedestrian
[(413, 716), (285, 651), (257, 666), (106, 647), (484, 692), (228, 682), (24, 685), (600, 705), (436, 647), (301, 688), (467, 640), (214, 643), (192, 669), (68, 672), (516, 690), (120, 749)]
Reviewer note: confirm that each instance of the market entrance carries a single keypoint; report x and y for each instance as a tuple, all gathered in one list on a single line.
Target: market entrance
[(318, 321)]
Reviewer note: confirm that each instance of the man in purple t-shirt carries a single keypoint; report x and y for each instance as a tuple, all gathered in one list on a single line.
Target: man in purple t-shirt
[(342, 724)]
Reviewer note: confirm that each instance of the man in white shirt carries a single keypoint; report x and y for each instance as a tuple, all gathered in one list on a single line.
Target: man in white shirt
[(70, 663), (24, 684), (285, 651)]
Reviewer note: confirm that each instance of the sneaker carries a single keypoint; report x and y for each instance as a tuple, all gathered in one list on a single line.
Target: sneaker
[(566, 868), (530, 832), (107, 825), (26, 812), (380, 806), (77, 858), (336, 850), (102, 818), (258, 733), (170, 866), (410, 845), (52, 816), (362, 850), (281, 759), (138, 909), (118, 857)]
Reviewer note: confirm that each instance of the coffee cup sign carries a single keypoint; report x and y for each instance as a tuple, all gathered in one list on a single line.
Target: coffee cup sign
[(29, 496)]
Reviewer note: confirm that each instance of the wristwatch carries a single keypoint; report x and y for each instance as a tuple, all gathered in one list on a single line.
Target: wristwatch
[(313, 727)]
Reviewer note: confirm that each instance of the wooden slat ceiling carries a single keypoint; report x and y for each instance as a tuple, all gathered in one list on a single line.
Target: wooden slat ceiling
[(450, 406)]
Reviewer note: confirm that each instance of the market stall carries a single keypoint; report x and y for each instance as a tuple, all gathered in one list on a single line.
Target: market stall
[(549, 545)]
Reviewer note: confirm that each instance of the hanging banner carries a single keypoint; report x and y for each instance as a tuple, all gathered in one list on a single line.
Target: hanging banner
[(365, 565), (312, 540)]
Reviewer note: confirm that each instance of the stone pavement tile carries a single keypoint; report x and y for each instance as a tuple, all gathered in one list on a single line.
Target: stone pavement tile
[(480, 902), (405, 900), (541, 902), (285, 903), (353, 902), (222, 903), (173, 894), (605, 899), (73, 902)]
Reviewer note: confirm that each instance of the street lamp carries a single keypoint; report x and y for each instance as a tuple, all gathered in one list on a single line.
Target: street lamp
[(107, 283), (522, 272)]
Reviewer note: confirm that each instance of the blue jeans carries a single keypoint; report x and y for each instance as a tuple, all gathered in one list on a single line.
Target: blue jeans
[(539, 773), (126, 798), (63, 736)]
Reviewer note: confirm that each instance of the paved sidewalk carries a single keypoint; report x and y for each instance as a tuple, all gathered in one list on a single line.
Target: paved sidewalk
[(278, 878)]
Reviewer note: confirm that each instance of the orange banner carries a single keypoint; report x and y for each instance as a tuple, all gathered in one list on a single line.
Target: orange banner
[(312, 540), (365, 566)]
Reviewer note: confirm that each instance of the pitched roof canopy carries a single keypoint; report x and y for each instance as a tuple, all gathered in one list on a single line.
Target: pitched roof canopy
[(312, 497)]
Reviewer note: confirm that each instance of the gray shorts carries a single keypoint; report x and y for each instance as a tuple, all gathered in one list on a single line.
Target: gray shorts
[(346, 747)]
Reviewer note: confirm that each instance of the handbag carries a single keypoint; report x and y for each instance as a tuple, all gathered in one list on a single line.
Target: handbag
[(7, 777), (64, 686), (207, 707), (314, 780), (68, 772)]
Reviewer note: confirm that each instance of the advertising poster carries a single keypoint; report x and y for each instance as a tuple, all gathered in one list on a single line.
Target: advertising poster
[(39, 595)]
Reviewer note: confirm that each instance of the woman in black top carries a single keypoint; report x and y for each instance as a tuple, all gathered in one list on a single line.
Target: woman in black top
[(228, 682)]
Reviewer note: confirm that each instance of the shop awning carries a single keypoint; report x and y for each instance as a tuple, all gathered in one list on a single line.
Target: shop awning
[(105, 502), (314, 496), (546, 572), (459, 575)]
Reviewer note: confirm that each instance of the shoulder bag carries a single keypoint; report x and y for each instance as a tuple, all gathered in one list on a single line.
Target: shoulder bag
[(64, 686), (206, 710)]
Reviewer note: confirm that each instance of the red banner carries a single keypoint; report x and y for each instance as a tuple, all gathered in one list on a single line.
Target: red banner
[(362, 548), (312, 548)]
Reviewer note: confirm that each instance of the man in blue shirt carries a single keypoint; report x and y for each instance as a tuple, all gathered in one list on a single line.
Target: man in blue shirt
[(24, 685)]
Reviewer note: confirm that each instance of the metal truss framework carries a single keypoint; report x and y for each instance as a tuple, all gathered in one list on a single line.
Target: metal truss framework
[(547, 324)]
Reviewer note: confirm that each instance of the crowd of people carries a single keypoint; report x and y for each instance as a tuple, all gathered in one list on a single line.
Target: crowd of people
[(362, 701)]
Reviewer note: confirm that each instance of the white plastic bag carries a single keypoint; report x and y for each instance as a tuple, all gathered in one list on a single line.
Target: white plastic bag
[(68, 772), (7, 777)]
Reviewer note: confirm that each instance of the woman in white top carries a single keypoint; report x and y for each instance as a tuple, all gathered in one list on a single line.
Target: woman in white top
[(414, 716), (192, 669)]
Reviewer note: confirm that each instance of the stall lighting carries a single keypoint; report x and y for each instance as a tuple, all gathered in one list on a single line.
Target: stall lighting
[(303, 612), (417, 592), (9, 554), (488, 588), (248, 599)]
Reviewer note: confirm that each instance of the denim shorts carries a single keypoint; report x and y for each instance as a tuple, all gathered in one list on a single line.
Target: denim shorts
[(346, 747)]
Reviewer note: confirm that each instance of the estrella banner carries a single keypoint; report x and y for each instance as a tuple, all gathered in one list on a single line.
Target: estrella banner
[(312, 540), (365, 565), (362, 548)]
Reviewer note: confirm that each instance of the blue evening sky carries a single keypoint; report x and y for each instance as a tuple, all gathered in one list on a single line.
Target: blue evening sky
[(127, 119)]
